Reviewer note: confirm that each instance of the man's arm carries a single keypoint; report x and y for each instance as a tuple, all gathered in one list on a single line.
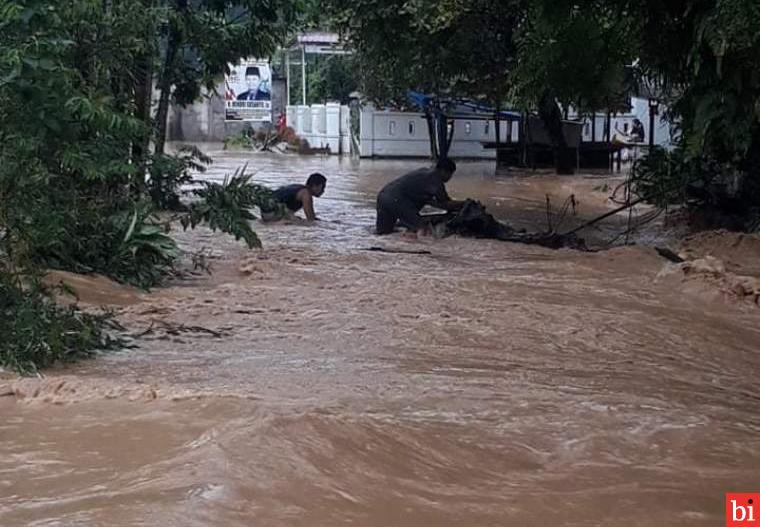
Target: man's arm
[(454, 205), (308, 205), (445, 202)]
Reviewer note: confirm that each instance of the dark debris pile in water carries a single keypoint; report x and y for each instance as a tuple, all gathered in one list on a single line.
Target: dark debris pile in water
[(473, 220)]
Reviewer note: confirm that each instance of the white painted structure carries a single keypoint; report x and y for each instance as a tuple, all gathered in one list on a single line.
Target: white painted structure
[(344, 129), (322, 125), (388, 133), (385, 133)]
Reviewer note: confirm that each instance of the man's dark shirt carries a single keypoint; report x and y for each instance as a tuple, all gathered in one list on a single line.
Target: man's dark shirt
[(421, 187), (637, 132)]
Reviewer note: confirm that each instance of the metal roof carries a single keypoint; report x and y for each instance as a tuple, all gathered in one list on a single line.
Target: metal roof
[(320, 43), (454, 108)]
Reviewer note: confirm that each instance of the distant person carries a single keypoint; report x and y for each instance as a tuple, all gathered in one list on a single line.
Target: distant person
[(637, 131), (282, 123), (401, 200), (296, 197), (636, 134)]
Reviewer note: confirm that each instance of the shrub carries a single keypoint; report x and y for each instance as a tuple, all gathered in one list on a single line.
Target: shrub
[(37, 332), (168, 173)]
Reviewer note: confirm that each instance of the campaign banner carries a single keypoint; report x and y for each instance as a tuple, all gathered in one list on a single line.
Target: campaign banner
[(248, 93)]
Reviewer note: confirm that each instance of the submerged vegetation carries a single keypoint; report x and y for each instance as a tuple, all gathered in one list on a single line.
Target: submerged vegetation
[(38, 332), (227, 207)]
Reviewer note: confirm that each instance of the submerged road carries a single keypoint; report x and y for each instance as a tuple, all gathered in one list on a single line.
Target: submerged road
[(483, 384)]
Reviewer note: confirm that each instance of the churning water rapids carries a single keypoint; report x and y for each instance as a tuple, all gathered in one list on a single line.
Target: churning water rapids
[(314, 383)]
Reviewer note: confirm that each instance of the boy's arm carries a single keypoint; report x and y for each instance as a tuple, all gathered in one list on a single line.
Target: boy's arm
[(308, 205)]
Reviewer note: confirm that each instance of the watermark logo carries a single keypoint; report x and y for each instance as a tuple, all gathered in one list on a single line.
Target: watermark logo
[(742, 510)]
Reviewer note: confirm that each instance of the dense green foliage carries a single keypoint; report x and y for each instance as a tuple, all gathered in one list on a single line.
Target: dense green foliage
[(168, 174), (701, 58), (37, 332), (66, 130), (331, 78), (705, 59), (226, 207), (80, 189), (71, 193), (576, 51), (481, 49), (466, 48)]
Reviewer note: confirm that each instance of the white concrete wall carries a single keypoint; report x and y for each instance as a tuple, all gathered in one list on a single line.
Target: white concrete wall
[(303, 122), (383, 132), (394, 134), (405, 134), (344, 130), (291, 116), (322, 125), (318, 125), (386, 133), (331, 137), (366, 132), (469, 137)]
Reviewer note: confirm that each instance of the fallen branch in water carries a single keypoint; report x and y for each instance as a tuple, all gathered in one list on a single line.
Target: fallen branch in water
[(143, 333), (394, 251), (176, 329), (606, 215), (669, 255), (473, 220)]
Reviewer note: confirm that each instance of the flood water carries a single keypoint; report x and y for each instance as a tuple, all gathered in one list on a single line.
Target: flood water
[(314, 383)]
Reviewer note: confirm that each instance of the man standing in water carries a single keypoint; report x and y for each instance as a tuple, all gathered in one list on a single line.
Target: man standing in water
[(296, 197), (401, 200)]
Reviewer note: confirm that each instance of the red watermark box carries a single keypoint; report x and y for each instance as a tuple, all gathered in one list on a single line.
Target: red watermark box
[(742, 509)]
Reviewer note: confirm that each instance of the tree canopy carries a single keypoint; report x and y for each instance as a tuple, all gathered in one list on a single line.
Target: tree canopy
[(79, 184), (699, 57)]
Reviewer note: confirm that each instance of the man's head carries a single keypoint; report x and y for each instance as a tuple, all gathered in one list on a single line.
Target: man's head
[(445, 168), (316, 184), (636, 122), (252, 77)]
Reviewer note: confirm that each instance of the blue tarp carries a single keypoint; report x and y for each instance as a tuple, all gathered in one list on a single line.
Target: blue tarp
[(458, 108)]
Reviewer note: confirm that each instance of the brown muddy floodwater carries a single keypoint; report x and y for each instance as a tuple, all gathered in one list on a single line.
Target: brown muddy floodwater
[(314, 383)]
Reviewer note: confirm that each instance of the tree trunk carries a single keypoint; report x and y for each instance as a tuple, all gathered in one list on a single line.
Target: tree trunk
[(497, 131), (166, 78), (432, 134), (164, 88), (143, 88), (551, 115)]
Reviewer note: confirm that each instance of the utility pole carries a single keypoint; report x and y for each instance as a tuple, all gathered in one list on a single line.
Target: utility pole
[(653, 110), (303, 72), (287, 76)]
